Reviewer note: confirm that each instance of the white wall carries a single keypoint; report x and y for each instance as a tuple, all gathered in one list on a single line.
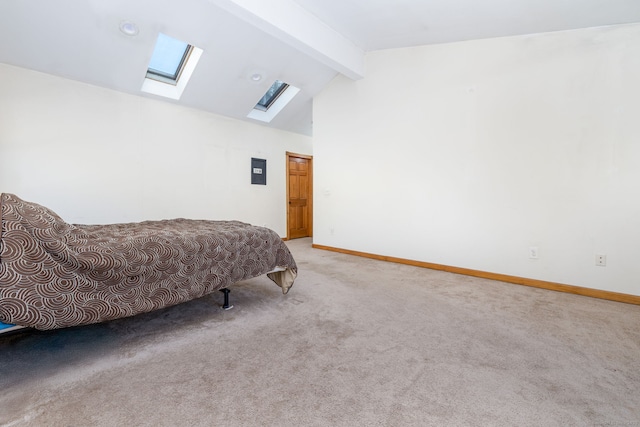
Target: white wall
[(94, 155), (468, 154)]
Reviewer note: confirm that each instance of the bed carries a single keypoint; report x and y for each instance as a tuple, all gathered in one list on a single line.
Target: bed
[(56, 275)]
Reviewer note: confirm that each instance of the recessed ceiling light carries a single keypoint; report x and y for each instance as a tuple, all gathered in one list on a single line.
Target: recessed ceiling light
[(256, 77), (129, 28)]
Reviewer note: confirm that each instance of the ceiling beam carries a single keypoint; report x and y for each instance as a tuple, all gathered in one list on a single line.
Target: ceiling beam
[(294, 25)]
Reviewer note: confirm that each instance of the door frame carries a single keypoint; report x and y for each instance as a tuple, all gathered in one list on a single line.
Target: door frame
[(310, 199)]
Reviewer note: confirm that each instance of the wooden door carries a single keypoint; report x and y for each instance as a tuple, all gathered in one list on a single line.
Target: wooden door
[(299, 196)]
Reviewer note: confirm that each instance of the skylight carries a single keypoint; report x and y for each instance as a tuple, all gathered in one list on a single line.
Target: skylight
[(169, 57), (171, 66), (273, 101), (271, 95)]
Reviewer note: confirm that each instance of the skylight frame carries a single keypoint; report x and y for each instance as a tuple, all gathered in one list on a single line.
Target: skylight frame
[(270, 98), (165, 77), (170, 88), (278, 104), (171, 78)]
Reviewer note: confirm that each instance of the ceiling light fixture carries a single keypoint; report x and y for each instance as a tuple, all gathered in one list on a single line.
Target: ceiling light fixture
[(255, 75), (129, 28)]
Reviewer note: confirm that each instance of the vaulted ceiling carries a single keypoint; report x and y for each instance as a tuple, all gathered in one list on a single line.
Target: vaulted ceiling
[(305, 43)]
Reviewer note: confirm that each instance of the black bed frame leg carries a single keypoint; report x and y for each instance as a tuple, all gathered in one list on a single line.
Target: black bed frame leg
[(226, 304)]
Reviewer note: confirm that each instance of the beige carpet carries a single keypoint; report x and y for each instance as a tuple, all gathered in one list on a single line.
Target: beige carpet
[(356, 342)]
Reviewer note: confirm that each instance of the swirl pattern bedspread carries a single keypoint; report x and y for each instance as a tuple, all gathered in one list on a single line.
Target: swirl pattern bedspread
[(55, 275)]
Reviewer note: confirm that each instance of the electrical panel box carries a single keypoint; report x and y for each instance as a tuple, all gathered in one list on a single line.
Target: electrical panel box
[(259, 171)]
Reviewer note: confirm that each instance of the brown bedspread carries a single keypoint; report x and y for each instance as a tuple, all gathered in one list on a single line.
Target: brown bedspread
[(54, 274)]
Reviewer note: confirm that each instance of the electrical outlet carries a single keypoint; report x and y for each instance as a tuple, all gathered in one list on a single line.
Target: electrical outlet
[(601, 260), (533, 252)]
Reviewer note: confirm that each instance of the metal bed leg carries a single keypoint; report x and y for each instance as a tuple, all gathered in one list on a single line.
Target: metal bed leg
[(226, 305)]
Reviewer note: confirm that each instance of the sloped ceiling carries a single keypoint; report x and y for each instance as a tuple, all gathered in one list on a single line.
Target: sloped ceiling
[(303, 42)]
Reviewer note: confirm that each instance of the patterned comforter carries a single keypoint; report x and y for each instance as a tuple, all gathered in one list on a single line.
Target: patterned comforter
[(55, 275)]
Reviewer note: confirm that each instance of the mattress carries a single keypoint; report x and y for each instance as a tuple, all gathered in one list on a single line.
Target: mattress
[(54, 274)]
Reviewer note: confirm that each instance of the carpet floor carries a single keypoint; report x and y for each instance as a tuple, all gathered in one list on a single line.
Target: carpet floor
[(356, 342)]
